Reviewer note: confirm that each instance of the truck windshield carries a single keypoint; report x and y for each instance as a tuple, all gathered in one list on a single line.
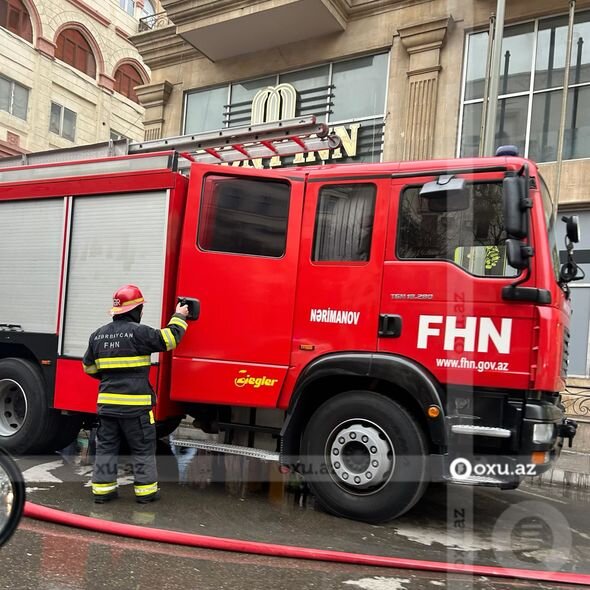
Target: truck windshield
[(550, 217)]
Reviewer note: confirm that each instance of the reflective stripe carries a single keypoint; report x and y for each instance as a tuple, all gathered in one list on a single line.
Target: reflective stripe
[(178, 322), (123, 362), (152, 419), (146, 490), (100, 489), (168, 337), (90, 369), (123, 399)]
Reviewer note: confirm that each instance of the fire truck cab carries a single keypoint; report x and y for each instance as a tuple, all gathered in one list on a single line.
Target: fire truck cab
[(385, 320)]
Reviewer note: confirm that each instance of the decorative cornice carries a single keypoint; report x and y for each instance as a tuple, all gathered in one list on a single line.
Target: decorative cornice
[(163, 47), (425, 36), (106, 83), (123, 34), (9, 148), (91, 12), (46, 47), (153, 95)]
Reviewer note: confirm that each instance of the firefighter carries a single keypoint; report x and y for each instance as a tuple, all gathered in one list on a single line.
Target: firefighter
[(119, 355)]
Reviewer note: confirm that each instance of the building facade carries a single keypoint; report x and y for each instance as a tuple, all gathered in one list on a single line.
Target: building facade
[(395, 79), (68, 72)]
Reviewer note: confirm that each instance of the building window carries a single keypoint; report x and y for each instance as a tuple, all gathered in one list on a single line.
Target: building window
[(126, 79), (128, 6), (470, 234), (148, 9), (344, 223), (14, 98), (73, 48), (62, 121), (15, 17), (329, 91), (244, 216), (531, 87), (115, 135)]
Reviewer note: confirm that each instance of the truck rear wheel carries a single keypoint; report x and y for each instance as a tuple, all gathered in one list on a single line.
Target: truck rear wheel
[(365, 457), (27, 423)]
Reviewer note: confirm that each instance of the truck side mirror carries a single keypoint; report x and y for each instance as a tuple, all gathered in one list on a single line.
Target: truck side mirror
[(12, 496), (514, 190), (518, 254), (572, 228)]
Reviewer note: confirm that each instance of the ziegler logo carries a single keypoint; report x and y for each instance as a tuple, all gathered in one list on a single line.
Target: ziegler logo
[(256, 382)]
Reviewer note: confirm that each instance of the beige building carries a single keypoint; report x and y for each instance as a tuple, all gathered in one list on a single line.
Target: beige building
[(68, 72), (396, 79)]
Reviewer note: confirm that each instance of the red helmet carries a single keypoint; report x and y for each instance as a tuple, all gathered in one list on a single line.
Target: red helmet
[(126, 298)]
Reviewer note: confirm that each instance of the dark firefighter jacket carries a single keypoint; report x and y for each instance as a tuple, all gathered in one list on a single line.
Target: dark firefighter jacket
[(119, 355)]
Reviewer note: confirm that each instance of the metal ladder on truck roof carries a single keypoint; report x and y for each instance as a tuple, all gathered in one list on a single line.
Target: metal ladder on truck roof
[(280, 138)]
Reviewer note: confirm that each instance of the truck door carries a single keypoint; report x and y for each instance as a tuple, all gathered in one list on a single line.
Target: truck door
[(341, 265), (239, 255), (444, 272)]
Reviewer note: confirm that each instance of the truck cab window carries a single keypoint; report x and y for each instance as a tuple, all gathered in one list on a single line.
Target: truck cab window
[(244, 216), (344, 223), (473, 237)]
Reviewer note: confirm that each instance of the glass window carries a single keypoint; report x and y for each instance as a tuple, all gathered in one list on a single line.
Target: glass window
[(148, 9), (514, 120), (344, 223), (73, 48), (62, 121), (517, 55), (15, 17), (128, 6), (359, 87), (311, 86), (204, 110), (473, 238), (14, 98), (244, 216), (242, 95)]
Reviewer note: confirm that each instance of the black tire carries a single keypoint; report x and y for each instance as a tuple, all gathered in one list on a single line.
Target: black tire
[(29, 424), (167, 427), (69, 428), (400, 477)]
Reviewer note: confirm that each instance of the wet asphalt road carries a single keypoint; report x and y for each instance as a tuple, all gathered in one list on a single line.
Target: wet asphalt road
[(534, 527)]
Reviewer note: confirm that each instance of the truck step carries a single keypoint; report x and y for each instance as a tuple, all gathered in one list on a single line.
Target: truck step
[(472, 430), (484, 480), (214, 447)]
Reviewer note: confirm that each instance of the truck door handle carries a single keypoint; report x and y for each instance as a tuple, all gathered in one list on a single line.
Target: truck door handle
[(390, 326)]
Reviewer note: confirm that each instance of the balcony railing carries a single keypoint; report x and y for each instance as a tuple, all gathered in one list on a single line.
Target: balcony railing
[(154, 21)]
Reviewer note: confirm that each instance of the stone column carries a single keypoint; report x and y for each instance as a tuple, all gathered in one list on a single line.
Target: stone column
[(153, 97), (423, 42)]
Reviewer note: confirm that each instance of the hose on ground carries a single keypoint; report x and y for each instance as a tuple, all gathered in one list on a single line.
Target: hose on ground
[(55, 516)]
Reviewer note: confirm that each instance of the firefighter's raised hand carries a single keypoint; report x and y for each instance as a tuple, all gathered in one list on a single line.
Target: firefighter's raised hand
[(182, 310)]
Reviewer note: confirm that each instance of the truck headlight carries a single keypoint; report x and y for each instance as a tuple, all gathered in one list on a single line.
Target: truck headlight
[(543, 433)]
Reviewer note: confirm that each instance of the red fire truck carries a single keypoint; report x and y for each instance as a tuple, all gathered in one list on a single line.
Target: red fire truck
[(367, 323)]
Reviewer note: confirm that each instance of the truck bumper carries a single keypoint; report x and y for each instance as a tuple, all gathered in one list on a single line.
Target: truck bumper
[(526, 450)]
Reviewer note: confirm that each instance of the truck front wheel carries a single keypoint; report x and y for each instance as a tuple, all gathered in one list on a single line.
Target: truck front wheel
[(364, 457), (27, 423)]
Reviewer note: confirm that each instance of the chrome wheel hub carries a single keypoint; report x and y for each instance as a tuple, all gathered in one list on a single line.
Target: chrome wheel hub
[(361, 455), (13, 407)]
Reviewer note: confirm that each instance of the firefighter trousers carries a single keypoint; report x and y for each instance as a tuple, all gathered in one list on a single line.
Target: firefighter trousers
[(140, 434)]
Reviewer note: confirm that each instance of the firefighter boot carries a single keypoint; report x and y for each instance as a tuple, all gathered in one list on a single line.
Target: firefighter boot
[(104, 498), (147, 499)]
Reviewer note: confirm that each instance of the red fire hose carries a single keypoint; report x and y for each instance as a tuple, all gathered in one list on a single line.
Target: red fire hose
[(253, 547)]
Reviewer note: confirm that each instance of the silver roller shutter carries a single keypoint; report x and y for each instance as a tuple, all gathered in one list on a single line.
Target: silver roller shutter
[(31, 236), (115, 240)]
